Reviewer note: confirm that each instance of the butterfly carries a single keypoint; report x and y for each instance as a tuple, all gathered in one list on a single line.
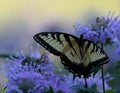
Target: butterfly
[(80, 56)]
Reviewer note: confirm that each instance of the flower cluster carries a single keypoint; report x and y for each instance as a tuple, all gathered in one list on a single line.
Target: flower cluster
[(33, 74), (97, 81), (36, 74), (106, 30)]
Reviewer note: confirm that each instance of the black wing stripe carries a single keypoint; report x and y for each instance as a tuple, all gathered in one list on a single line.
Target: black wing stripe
[(45, 34), (53, 36), (69, 42), (87, 47), (93, 49), (100, 62), (47, 46), (58, 39), (96, 49)]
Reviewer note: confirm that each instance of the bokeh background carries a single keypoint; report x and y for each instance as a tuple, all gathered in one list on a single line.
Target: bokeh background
[(20, 20)]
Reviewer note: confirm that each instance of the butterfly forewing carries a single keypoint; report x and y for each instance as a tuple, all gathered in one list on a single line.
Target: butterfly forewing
[(59, 44)]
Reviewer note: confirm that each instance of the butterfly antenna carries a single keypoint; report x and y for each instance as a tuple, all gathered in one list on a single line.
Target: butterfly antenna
[(86, 85), (103, 80), (101, 46)]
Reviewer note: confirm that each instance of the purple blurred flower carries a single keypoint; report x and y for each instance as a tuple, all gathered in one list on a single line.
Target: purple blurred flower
[(105, 28), (91, 35), (36, 53), (25, 79), (102, 37), (97, 80), (118, 51), (30, 78)]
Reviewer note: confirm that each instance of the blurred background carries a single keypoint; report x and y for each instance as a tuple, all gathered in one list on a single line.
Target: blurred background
[(20, 20)]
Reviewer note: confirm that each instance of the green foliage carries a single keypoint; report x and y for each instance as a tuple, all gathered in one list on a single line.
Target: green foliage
[(108, 42), (95, 70), (118, 64), (8, 56), (51, 90), (2, 90), (81, 89), (110, 91), (26, 85), (28, 61)]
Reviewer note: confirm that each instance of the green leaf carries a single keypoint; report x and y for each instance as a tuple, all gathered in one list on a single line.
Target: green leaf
[(5, 55), (78, 86), (110, 91), (82, 89), (4, 88), (94, 89), (8, 56), (108, 42), (95, 70), (50, 90), (59, 91), (118, 64)]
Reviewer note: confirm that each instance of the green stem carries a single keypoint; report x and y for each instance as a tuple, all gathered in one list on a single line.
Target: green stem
[(103, 80)]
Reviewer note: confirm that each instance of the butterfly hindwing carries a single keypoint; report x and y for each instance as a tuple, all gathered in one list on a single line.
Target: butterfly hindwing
[(93, 54)]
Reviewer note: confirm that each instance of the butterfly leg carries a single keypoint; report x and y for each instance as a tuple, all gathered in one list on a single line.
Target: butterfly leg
[(86, 85)]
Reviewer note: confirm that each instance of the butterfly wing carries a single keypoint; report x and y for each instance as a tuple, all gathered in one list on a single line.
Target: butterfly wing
[(60, 44), (79, 56), (93, 54)]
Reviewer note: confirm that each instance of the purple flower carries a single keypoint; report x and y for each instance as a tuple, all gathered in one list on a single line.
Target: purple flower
[(36, 53), (39, 75), (25, 79), (91, 35), (102, 37), (118, 51), (33, 77), (105, 28), (97, 80)]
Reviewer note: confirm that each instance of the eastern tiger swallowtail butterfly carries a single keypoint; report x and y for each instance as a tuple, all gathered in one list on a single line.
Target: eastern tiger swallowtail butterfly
[(78, 55)]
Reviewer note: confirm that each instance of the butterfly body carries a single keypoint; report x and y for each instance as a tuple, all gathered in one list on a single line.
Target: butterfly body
[(78, 55)]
